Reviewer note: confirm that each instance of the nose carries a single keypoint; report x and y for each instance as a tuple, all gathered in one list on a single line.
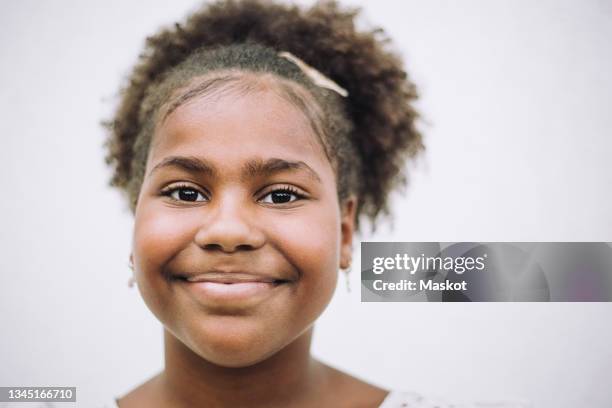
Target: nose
[(229, 226)]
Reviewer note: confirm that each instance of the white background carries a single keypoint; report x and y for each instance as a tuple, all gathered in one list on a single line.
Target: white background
[(517, 96)]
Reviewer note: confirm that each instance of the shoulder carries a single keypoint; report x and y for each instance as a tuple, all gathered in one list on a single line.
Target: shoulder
[(350, 391), (409, 399), (146, 394), (347, 390)]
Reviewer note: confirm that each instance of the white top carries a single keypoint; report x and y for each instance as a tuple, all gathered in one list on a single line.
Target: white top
[(406, 399)]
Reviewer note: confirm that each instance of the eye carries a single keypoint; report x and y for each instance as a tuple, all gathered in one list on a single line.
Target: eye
[(184, 193), (282, 196)]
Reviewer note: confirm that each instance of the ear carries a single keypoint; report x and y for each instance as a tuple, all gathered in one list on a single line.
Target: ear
[(347, 228)]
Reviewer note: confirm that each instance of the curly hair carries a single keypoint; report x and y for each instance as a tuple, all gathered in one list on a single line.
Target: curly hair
[(368, 136)]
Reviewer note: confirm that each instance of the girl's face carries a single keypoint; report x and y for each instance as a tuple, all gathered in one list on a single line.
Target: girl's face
[(238, 232)]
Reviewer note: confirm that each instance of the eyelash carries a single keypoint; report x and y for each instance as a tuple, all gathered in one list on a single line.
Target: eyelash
[(168, 191)]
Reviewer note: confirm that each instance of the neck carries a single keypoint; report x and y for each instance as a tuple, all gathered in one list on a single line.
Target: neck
[(289, 376)]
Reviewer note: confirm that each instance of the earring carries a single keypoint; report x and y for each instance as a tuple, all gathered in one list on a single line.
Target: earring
[(347, 271), (131, 280)]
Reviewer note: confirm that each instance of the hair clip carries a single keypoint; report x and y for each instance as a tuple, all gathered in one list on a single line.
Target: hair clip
[(315, 76)]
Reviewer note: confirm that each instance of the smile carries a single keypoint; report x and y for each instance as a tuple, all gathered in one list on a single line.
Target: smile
[(231, 289)]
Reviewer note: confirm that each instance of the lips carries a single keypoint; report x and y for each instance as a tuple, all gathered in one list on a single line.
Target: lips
[(216, 276), (232, 289)]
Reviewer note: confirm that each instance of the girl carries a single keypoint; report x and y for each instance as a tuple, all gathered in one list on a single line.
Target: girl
[(249, 141)]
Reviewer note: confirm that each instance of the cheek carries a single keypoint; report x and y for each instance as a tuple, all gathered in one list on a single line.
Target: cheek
[(311, 244), (158, 237)]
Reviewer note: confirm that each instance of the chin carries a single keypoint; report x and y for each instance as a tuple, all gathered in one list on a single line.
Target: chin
[(234, 345)]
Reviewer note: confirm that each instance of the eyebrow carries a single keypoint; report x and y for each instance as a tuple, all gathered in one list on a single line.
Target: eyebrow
[(252, 168)]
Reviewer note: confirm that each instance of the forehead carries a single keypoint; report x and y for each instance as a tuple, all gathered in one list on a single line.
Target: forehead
[(229, 127)]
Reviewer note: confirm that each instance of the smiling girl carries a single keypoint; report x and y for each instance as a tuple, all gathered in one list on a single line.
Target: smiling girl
[(249, 142)]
